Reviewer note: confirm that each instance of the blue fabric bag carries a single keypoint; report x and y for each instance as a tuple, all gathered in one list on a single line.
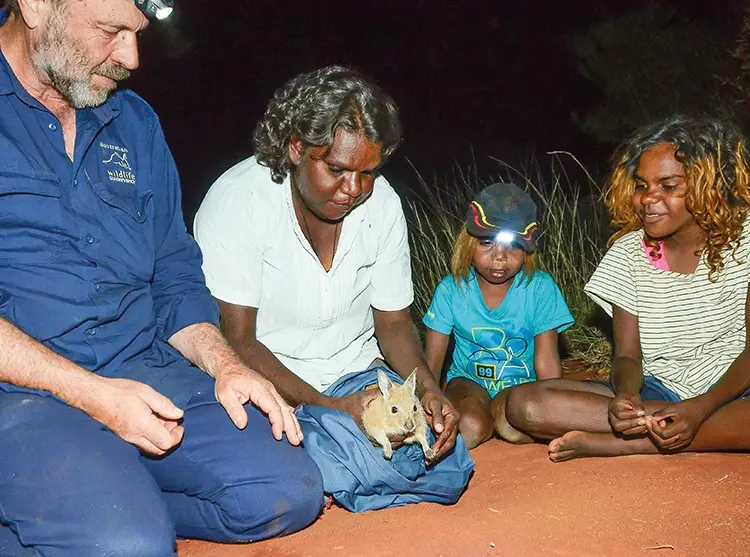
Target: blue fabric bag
[(355, 472)]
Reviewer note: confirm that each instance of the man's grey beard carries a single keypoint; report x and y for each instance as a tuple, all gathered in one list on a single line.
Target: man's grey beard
[(63, 59)]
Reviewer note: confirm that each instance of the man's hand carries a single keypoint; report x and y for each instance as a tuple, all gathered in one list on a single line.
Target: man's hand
[(136, 413), (627, 415), (443, 419), (355, 403), (238, 385), (674, 427)]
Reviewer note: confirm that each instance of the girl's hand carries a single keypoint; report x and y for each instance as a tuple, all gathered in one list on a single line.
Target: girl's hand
[(674, 427), (627, 415)]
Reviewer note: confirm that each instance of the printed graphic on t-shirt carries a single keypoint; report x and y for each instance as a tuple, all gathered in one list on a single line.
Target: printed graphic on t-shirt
[(496, 357)]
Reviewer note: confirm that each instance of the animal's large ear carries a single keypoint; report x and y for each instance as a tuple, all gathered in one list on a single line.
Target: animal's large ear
[(384, 384), (411, 382)]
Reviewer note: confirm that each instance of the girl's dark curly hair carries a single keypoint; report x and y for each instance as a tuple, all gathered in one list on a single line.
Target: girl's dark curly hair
[(715, 158), (314, 106)]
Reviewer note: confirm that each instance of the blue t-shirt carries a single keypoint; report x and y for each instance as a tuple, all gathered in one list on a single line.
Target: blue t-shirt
[(495, 348)]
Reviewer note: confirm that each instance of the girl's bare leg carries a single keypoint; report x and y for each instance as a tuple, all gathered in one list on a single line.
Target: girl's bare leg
[(502, 428), (545, 410), (472, 401), (727, 429)]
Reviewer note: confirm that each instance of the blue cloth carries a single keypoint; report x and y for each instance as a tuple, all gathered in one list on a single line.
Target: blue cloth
[(355, 472), (96, 261), (653, 389), (71, 488), (495, 348)]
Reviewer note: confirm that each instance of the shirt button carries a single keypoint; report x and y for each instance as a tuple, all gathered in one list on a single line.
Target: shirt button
[(75, 182), (52, 127), (139, 214), (97, 286), (89, 239), (92, 332)]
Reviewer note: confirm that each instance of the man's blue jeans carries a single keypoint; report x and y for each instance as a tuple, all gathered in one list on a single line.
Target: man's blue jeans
[(70, 488)]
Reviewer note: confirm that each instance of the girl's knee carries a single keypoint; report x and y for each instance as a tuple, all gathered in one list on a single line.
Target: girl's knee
[(475, 429), (508, 433), (524, 407)]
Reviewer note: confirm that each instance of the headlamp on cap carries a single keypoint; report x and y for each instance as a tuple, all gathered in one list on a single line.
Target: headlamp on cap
[(504, 237), (156, 9)]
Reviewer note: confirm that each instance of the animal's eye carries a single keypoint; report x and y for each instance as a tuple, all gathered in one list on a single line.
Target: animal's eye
[(394, 409), (415, 408)]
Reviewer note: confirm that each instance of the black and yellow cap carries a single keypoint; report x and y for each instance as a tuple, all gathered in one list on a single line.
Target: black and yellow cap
[(506, 213)]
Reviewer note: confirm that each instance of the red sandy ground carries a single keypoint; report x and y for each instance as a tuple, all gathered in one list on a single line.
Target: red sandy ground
[(519, 504)]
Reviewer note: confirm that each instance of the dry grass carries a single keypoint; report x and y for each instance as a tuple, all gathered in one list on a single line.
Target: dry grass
[(574, 232)]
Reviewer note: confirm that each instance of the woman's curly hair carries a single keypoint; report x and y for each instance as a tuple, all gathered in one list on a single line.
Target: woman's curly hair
[(314, 106), (715, 158)]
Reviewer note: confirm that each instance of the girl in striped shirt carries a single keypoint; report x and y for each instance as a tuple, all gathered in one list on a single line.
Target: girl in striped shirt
[(675, 281)]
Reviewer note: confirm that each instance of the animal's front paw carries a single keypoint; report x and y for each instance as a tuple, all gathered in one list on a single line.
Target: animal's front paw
[(429, 453), (387, 453)]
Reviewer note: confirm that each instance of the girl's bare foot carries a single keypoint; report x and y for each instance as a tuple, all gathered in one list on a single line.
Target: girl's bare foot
[(577, 444)]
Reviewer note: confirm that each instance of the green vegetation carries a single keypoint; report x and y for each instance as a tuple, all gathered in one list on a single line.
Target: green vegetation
[(574, 233)]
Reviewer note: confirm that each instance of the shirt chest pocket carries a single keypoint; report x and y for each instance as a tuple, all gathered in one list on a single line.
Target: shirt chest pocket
[(33, 219), (126, 220)]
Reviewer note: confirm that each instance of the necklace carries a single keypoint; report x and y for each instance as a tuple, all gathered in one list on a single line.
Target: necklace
[(309, 237)]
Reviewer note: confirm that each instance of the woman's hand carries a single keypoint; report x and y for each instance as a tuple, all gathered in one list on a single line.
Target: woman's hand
[(354, 403), (442, 418)]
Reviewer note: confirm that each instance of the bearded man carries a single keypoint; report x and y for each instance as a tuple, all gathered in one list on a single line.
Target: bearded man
[(126, 420)]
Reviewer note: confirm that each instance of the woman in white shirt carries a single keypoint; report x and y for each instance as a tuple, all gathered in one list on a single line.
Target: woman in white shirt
[(305, 248)]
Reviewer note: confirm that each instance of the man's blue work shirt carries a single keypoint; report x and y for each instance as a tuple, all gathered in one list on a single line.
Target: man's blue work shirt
[(95, 260)]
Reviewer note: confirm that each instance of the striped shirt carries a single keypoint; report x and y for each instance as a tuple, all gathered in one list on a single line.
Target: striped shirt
[(691, 329)]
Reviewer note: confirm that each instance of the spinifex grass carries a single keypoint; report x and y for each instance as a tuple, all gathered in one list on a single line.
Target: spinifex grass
[(574, 233)]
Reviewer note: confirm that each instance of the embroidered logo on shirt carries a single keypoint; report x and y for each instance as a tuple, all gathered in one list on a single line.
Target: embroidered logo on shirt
[(117, 163)]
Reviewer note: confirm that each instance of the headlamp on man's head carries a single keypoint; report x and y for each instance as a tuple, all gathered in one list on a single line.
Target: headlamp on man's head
[(156, 9)]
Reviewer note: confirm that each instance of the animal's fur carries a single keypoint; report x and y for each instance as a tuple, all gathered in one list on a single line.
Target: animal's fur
[(381, 423)]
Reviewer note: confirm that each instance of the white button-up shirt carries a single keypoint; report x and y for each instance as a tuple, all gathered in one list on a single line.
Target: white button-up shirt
[(318, 324)]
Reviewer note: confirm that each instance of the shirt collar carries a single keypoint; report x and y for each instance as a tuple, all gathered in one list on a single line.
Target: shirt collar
[(349, 226)]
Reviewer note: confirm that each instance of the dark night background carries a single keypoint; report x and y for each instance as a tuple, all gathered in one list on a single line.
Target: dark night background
[(473, 79)]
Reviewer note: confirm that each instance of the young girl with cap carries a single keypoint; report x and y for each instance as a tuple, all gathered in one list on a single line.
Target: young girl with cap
[(503, 313), (675, 280)]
